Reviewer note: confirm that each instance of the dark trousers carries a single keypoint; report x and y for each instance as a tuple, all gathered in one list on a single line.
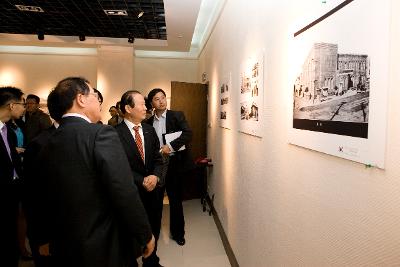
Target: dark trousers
[(152, 203), (173, 184), (9, 204), (40, 261)]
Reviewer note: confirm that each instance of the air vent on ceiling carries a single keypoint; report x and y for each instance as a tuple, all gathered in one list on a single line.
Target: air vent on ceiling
[(29, 8), (120, 12)]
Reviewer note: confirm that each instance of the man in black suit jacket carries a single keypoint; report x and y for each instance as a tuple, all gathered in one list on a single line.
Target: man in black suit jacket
[(32, 167), (94, 213), (12, 106), (146, 172), (36, 120), (165, 122)]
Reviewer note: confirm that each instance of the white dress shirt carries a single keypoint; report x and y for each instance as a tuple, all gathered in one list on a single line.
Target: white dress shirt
[(159, 123)]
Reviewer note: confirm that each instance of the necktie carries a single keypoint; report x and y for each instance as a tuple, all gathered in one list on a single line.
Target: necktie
[(4, 136), (138, 141)]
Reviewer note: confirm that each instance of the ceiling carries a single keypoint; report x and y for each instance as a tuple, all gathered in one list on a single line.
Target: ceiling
[(166, 25), (85, 17)]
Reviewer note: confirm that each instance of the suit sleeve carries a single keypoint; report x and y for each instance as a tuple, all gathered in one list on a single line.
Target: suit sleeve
[(181, 125), (157, 158), (44, 122), (116, 175)]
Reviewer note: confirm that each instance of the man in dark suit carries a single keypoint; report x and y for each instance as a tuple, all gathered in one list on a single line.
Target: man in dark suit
[(142, 147), (32, 167), (165, 122), (94, 213), (36, 120), (12, 106)]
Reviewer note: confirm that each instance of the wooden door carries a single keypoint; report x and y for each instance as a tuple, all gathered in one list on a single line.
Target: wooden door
[(191, 98)]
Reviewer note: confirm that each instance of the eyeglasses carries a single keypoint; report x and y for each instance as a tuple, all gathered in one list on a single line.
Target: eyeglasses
[(97, 96), (20, 103)]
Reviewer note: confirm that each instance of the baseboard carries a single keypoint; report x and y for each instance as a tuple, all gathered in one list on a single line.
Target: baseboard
[(225, 242)]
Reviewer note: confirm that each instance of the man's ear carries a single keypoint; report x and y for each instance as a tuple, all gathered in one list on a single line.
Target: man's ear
[(81, 100), (128, 109)]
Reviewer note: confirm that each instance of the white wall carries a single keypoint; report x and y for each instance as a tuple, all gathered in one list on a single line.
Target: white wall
[(108, 68), (115, 72), (158, 73), (39, 73), (283, 205)]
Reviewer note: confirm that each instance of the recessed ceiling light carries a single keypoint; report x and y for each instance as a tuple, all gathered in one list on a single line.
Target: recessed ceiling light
[(29, 8), (116, 12)]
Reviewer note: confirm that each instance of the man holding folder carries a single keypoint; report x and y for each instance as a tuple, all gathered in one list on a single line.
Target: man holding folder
[(174, 134)]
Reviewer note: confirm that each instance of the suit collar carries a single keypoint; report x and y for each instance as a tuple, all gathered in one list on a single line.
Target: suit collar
[(130, 124), (76, 115), (70, 119), (164, 114)]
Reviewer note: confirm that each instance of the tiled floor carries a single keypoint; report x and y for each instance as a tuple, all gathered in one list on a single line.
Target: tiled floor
[(203, 245)]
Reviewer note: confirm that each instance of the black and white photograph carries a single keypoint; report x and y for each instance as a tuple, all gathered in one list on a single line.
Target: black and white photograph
[(223, 115), (331, 94), (338, 87), (251, 95), (225, 106), (245, 84), (249, 111)]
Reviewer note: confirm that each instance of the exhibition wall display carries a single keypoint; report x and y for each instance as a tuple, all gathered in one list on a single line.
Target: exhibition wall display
[(339, 82), (251, 96), (225, 97)]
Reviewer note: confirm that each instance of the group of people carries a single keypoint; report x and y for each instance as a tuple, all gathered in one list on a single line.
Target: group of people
[(93, 193)]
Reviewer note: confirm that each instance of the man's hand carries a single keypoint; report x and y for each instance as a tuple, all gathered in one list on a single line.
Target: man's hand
[(150, 182), (44, 250), (20, 150), (165, 150), (149, 247)]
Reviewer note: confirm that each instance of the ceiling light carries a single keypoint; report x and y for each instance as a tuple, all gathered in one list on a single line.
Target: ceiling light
[(116, 12), (29, 8), (140, 14), (40, 35), (82, 37)]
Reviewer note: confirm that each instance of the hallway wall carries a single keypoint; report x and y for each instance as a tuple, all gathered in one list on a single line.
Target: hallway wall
[(36, 70), (283, 205), (113, 70), (38, 73), (159, 72)]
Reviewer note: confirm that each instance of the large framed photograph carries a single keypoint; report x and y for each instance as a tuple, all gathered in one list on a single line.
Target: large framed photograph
[(340, 78)]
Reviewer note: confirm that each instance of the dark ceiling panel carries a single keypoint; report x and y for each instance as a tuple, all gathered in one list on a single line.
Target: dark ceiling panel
[(87, 17)]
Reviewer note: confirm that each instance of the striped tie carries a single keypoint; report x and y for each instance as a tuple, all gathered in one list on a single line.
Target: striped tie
[(138, 141)]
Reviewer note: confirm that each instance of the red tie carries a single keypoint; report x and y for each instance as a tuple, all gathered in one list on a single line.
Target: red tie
[(138, 141)]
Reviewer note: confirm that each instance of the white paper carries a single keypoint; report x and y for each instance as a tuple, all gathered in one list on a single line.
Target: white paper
[(172, 136)]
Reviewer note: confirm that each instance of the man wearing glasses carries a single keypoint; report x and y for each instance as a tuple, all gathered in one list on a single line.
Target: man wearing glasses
[(12, 106)]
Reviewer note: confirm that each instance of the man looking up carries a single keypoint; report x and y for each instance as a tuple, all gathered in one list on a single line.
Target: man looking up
[(12, 106), (94, 213), (166, 122), (142, 147)]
